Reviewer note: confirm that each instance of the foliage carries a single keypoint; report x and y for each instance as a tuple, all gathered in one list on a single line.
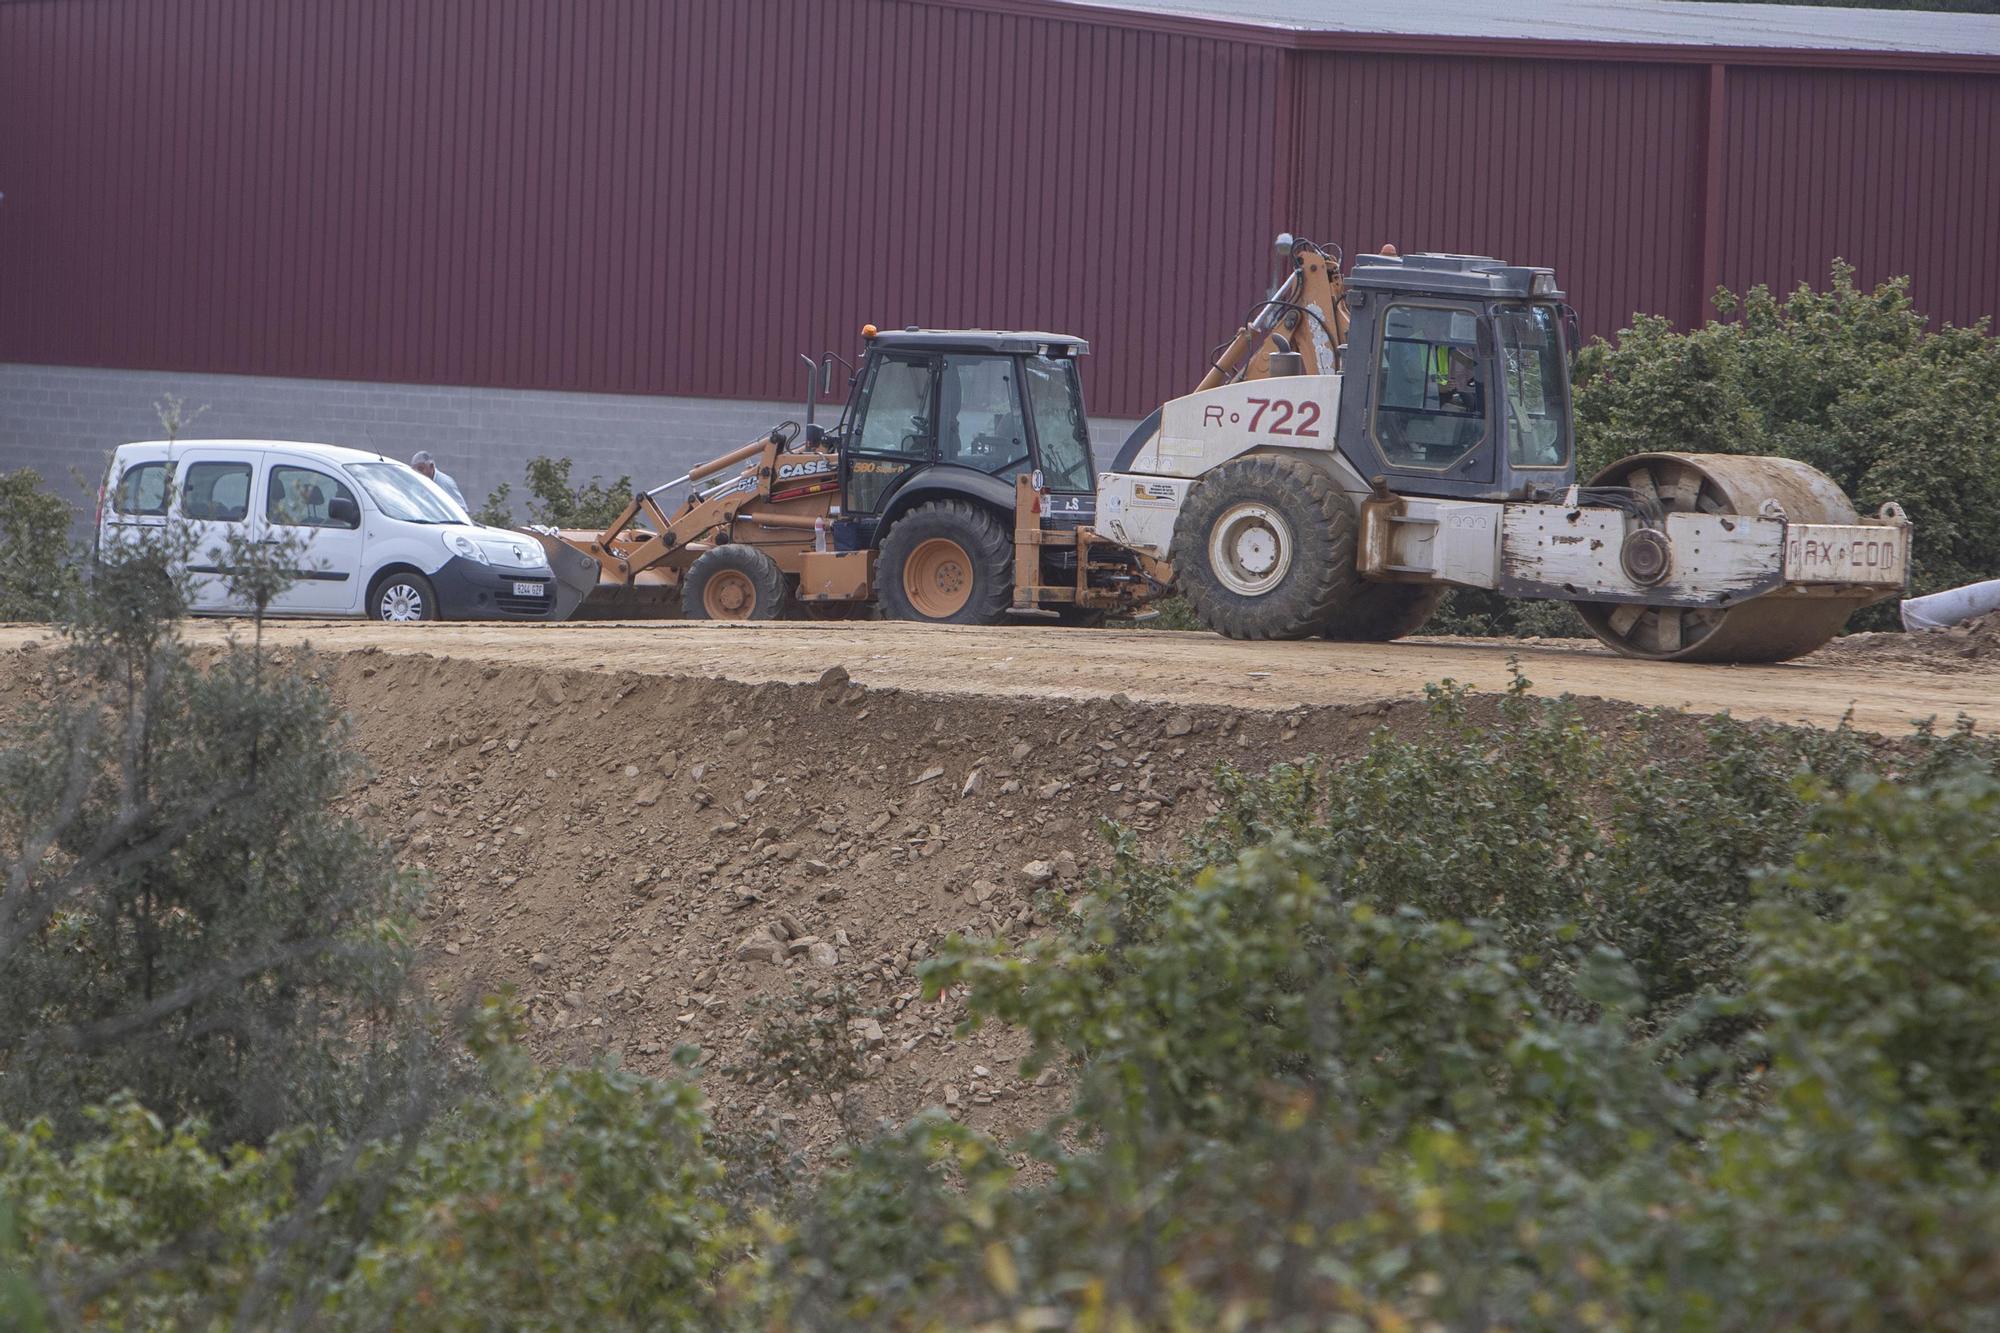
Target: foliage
[(563, 1200), (37, 564), (555, 501), (556, 1201), (183, 914), (1516, 1021)]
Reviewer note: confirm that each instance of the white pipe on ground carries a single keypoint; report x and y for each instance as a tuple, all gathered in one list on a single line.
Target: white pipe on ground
[(1942, 610)]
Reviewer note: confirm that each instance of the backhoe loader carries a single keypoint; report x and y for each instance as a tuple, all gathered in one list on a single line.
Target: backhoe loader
[(1364, 443), (958, 488)]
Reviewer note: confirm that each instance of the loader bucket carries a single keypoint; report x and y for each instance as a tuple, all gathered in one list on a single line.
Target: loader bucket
[(584, 591), (576, 572)]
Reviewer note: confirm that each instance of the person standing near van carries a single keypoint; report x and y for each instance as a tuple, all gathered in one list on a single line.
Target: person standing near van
[(422, 461)]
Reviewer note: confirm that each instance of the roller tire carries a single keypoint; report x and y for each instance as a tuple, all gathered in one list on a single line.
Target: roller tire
[(987, 549), (1321, 576), (721, 576), (1380, 612)]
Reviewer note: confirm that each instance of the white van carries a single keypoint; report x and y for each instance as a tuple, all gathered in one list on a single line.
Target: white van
[(376, 537)]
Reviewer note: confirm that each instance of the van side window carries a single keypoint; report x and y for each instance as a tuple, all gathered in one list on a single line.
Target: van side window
[(218, 492), (142, 490), (302, 498)]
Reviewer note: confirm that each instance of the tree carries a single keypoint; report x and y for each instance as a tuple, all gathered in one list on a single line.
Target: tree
[(556, 502), (37, 564), (183, 912)]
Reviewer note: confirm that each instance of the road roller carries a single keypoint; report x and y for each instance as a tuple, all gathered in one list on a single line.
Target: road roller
[(1368, 440)]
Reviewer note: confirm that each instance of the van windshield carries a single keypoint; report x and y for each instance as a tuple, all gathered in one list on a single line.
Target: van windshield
[(401, 492)]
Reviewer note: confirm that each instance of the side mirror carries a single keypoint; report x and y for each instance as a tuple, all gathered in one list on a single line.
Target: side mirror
[(343, 512), (1572, 328)]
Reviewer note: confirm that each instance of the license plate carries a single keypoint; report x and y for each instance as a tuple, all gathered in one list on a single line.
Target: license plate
[(1838, 553), (527, 590)]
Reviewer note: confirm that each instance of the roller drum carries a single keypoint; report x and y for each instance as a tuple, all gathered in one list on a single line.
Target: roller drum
[(1763, 629)]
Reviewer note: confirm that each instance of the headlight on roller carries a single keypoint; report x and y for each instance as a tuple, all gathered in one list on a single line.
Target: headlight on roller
[(460, 544)]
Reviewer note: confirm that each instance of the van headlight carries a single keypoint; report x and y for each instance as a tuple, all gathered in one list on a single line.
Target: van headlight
[(463, 545)]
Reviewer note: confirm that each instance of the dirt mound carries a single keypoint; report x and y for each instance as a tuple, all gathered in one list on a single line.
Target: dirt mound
[(641, 857), (1967, 647)]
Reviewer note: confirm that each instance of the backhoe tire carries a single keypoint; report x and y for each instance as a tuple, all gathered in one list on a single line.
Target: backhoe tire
[(948, 563), (1264, 548), (1380, 612), (734, 582)]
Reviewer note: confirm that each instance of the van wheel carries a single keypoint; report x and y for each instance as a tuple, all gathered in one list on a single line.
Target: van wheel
[(403, 597), (734, 582), (947, 562)]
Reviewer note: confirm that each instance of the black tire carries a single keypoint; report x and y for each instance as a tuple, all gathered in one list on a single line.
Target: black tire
[(982, 570), (403, 597), (1380, 612), (734, 582), (1312, 570)]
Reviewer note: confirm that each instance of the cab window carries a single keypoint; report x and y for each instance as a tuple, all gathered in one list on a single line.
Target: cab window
[(218, 492), (979, 415), (303, 498), (1061, 430), (142, 491), (894, 408), (1534, 382), (1430, 400)]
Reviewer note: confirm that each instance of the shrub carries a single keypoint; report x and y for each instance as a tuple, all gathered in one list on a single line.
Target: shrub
[(183, 914), (37, 562), (554, 501)]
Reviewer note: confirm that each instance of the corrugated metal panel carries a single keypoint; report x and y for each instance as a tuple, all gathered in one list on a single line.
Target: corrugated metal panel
[(1593, 170), (678, 196), (629, 195), (1896, 174)]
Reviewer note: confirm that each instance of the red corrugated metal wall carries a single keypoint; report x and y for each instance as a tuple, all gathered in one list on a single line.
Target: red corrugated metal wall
[(678, 196), (629, 195), (1894, 173), (1592, 169)]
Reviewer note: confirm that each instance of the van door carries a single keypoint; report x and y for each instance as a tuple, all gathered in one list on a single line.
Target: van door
[(135, 504), (213, 499), (306, 504)]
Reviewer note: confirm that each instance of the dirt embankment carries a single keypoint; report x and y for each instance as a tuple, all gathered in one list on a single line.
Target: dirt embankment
[(643, 856)]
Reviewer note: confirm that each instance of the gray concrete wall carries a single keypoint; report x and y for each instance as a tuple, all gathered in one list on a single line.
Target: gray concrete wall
[(62, 420)]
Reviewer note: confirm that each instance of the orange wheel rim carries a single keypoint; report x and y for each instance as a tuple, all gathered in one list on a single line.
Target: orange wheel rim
[(730, 595), (937, 578)]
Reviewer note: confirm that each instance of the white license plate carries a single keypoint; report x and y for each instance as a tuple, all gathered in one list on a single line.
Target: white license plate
[(527, 590), (1839, 553)]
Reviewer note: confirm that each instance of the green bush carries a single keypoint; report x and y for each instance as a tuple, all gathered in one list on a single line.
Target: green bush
[(184, 914), (1515, 1022), (554, 501), (37, 562)]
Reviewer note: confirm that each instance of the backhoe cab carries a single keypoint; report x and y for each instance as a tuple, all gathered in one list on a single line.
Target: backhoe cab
[(1363, 444), (957, 487)]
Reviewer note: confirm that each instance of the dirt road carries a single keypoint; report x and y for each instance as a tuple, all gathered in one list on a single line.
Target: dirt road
[(1885, 695)]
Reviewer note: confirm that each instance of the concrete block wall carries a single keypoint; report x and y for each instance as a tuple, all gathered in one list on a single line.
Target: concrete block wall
[(62, 420)]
